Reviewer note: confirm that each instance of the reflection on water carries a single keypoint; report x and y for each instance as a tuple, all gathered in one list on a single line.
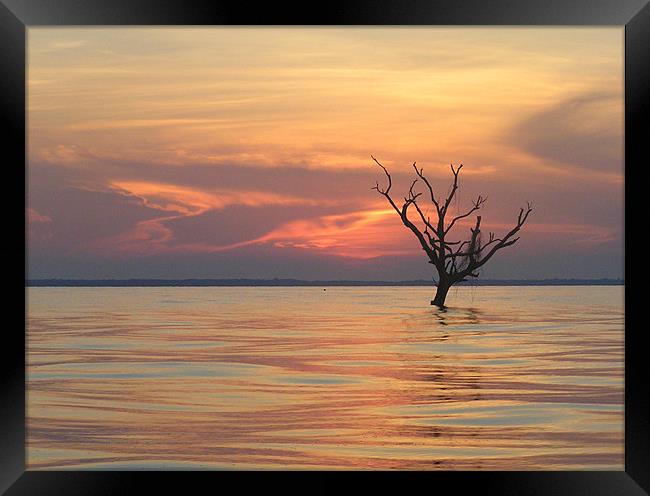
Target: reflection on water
[(514, 378)]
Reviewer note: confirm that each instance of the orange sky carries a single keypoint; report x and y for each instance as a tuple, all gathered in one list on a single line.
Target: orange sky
[(226, 152)]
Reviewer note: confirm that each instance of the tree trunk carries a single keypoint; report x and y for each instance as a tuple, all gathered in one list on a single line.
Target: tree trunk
[(441, 293)]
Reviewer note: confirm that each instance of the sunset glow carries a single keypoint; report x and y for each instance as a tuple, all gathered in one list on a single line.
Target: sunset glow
[(325, 248), (168, 144)]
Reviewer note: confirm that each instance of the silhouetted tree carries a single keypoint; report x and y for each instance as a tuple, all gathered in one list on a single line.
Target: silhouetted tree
[(454, 261)]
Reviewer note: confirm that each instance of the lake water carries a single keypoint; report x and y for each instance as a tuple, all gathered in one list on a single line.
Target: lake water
[(509, 378)]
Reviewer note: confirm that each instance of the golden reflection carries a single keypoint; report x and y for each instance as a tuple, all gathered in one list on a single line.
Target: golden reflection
[(352, 378)]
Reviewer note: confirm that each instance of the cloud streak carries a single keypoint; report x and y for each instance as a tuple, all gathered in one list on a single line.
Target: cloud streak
[(242, 149), (584, 132)]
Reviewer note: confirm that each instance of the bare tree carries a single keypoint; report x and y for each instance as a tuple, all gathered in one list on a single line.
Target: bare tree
[(454, 261)]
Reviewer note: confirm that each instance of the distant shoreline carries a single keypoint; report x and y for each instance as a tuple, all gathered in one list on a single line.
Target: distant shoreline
[(302, 283)]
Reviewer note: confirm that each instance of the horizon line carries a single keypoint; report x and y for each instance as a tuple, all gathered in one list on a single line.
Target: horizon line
[(229, 282)]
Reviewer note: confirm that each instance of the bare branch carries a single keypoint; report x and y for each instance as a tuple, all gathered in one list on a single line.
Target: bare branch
[(454, 187), (420, 174), (426, 221), (403, 212), (454, 260), (475, 206), (507, 240), (390, 182)]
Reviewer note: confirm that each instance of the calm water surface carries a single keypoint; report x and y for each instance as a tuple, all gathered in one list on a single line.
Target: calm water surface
[(511, 378)]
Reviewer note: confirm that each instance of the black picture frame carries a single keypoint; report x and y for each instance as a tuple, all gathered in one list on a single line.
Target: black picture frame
[(17, 15)]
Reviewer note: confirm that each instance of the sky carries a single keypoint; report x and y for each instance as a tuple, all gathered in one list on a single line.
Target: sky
[(245, 152)]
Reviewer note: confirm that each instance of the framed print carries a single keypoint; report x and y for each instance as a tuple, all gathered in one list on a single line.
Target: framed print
[(382, 242)]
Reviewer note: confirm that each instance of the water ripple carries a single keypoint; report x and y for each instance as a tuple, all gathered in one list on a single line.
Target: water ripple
[(353, 378)]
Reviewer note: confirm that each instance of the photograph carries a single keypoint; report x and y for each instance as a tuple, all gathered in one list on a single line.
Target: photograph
[(332, 248)]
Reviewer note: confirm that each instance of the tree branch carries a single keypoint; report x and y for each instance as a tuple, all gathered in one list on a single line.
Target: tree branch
[(403, 212), (475, 206), (420, 174), (507, 240), (453, 188), (440, 252)]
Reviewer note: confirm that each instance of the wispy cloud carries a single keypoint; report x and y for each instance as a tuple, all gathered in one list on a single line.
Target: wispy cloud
[(35, 217), (175, 143), (581, 133)]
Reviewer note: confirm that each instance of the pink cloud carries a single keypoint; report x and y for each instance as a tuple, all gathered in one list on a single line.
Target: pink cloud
[(34, 216)]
